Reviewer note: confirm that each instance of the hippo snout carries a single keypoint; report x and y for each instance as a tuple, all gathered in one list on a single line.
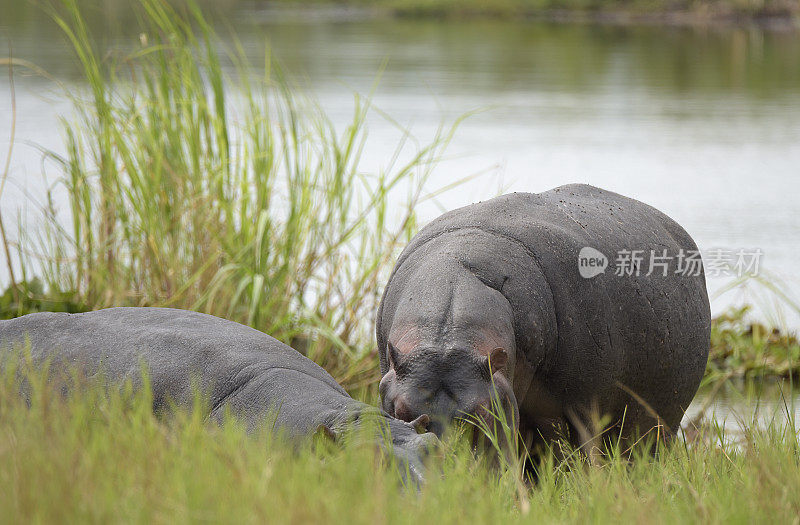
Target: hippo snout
[(425, 443), (489, 411), (411, 455), (403, 412), (448, 385), (438, 420)]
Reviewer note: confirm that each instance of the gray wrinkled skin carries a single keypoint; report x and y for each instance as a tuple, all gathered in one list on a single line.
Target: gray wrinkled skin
[(241, 369), (503, 274)]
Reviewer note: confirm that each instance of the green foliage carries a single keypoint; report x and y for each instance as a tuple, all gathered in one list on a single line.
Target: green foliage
[(744, 349), (31, 297)]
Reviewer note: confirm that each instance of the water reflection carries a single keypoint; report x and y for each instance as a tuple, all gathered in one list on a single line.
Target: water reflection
[(737, 405)]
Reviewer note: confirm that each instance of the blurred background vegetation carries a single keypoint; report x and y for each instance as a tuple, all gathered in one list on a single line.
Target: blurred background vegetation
[(664, 11)]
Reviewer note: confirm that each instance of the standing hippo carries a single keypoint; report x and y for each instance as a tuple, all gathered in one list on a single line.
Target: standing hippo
[(565, 305), (244, 370)]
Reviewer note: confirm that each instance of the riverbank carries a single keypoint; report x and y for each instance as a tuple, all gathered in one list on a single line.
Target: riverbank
[(773, 14), (768, 14)]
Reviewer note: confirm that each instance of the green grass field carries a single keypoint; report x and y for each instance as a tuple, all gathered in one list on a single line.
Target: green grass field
[(253, 207), (101, 457)]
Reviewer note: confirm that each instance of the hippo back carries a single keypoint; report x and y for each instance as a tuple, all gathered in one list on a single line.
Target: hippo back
[(182, 350)]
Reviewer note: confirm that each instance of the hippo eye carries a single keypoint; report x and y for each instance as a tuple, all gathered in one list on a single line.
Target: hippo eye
[(425, 393), (400, 370)]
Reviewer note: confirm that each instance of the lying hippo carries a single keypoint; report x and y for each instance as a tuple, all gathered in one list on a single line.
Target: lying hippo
[(534, 299), (244, 370)]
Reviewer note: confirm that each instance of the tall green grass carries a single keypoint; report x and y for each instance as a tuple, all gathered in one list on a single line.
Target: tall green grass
[(198, 180)]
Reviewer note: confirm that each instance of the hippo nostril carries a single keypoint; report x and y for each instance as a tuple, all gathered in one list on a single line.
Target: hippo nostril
[(401, 411), (436, 428), (479, 411)]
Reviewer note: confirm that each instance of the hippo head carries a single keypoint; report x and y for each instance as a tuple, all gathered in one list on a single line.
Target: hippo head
[(449, 385)]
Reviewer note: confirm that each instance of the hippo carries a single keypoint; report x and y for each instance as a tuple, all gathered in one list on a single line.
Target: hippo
[(578, 310), (244, 371)]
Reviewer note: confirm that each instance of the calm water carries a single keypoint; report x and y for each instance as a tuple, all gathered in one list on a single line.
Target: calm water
[(738, 404), (702, 124)]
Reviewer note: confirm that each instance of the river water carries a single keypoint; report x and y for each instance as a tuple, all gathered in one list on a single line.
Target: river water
[(702, 123)]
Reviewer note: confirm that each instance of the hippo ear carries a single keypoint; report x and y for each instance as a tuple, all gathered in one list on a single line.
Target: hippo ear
[(497, 360), (420, 425), (326, 433), (393, 355)]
